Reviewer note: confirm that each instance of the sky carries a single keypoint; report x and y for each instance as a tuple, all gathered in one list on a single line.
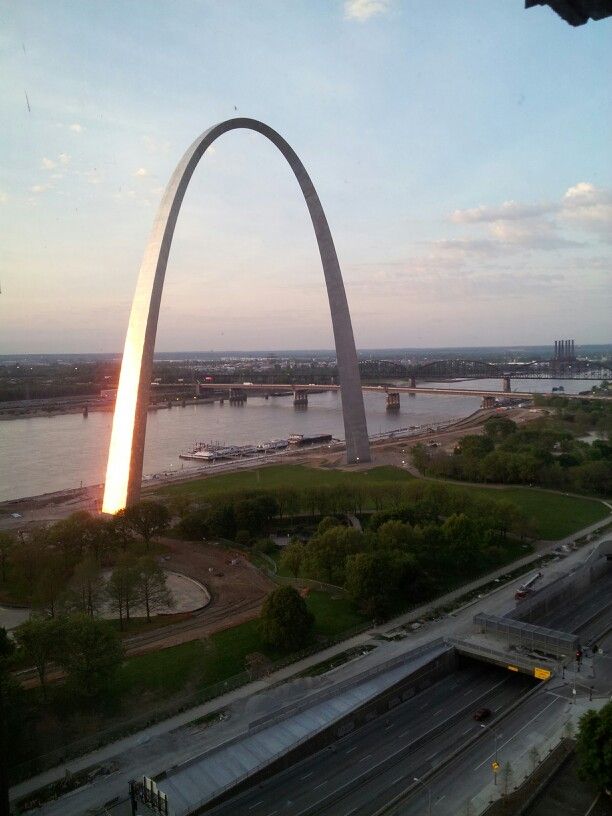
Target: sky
[(461, 151)]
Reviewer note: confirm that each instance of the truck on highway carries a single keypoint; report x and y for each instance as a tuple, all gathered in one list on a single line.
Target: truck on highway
[(527, 588)]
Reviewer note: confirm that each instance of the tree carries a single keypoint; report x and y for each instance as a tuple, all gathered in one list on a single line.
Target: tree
[(8, 723), (7, 545), (328, 523), (147, 519), (90, 653), (292, 557), (326, 554), (40, 639), (122, 588), (151, 587), (86, 587), (50, 584), (285, 621), (594, 747), (499, 427)]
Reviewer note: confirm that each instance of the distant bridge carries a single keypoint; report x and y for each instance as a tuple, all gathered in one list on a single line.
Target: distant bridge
[(434, 370), (238, 392)]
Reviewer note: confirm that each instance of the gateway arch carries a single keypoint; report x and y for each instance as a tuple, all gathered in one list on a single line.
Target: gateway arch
[(126, 452)]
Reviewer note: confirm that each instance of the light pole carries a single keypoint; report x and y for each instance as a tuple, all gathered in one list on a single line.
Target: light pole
[(428, 789), (497, 736)]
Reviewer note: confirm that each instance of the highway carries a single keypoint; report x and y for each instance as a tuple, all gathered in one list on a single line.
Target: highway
[(453, 786), (352, 775), (585, 616)]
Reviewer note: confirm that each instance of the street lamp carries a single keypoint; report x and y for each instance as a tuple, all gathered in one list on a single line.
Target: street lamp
[(428, 789), (497, 736)]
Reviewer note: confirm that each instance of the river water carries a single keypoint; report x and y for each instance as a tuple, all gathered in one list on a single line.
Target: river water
[(43, 454)]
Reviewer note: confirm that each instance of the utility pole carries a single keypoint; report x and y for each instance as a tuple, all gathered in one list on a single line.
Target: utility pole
[(428, 789)]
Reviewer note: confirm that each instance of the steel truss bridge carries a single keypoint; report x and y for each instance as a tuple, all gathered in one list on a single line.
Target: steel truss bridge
[(434, 370)]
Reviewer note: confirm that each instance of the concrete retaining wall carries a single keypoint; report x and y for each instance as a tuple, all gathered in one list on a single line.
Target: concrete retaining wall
[(406, 688)]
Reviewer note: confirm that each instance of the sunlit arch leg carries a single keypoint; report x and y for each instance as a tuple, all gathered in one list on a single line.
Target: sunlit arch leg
[(125, 457)]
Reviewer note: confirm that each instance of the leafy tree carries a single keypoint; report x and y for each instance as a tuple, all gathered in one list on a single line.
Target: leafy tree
[(50, 585), (222, 521), (292, 557), (151, 586), (121, 531), (594, 746), (9, 722), (326, 554), (86, 587), (122, 588), (74, 535), (327, 523), (474, 446), (288, 501), (40, 639), (382, 581), (7, 546), (394, 535), (91, 654), (147, 519), (285, 621), (499, 427)]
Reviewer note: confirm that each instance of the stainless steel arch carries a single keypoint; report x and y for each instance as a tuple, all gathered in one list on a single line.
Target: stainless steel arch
[(125, 458)]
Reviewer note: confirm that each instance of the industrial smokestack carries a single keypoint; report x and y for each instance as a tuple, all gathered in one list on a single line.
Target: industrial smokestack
[(555, 354)]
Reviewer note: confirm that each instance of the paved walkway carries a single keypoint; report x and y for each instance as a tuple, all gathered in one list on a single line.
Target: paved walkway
[(458, 622)]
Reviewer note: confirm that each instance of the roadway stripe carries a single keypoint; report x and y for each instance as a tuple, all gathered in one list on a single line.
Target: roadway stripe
[(527, 725)]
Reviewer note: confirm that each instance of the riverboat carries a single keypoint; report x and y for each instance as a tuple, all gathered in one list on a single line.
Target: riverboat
[(300, 439)]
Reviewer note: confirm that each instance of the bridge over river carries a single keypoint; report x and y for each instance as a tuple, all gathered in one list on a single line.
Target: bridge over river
[(238, 392)]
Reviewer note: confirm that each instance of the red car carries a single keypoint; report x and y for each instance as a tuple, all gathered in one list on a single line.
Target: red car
[(482, 714)]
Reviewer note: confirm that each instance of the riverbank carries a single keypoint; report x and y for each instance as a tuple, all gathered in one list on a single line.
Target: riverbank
[(20, 513)]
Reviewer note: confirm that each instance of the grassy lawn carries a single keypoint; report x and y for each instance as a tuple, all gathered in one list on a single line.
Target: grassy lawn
[(277, 476), (198, 664), (555, 515)]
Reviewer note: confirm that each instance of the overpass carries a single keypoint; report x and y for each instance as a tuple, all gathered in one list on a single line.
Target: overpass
[(238, 392)]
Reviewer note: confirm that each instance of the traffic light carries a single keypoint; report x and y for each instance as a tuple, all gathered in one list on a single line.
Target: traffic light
[(578, 655)]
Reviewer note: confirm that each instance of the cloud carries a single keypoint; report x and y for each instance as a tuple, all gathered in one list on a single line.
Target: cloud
[(362, 10), (3, 197), (48, 164), (40, 188), (142, 172), (588, 207), (540, 226), (92, 176), (508, 211), (64, 158), (76, 128), (155, 146)]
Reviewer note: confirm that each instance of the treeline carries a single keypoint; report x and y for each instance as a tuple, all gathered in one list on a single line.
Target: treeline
[(245, 515), (542, 453), (427, 543), (59, 570)]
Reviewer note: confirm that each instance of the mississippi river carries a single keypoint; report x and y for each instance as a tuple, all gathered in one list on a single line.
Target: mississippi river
[(44, 454)]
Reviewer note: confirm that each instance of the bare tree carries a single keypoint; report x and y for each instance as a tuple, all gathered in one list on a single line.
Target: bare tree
[(151, 587)]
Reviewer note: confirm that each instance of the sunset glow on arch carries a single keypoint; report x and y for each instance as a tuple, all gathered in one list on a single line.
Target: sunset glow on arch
[(126, 451)]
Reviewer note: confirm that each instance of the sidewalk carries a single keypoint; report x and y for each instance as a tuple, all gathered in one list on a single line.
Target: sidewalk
[(457, 623)]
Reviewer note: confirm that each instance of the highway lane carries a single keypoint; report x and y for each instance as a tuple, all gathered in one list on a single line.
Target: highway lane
[(451, 788), (571, 617), (349, 773)]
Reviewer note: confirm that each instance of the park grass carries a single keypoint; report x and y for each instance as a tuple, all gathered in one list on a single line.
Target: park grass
[(201, 663), (555, 514), (298, 477)]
